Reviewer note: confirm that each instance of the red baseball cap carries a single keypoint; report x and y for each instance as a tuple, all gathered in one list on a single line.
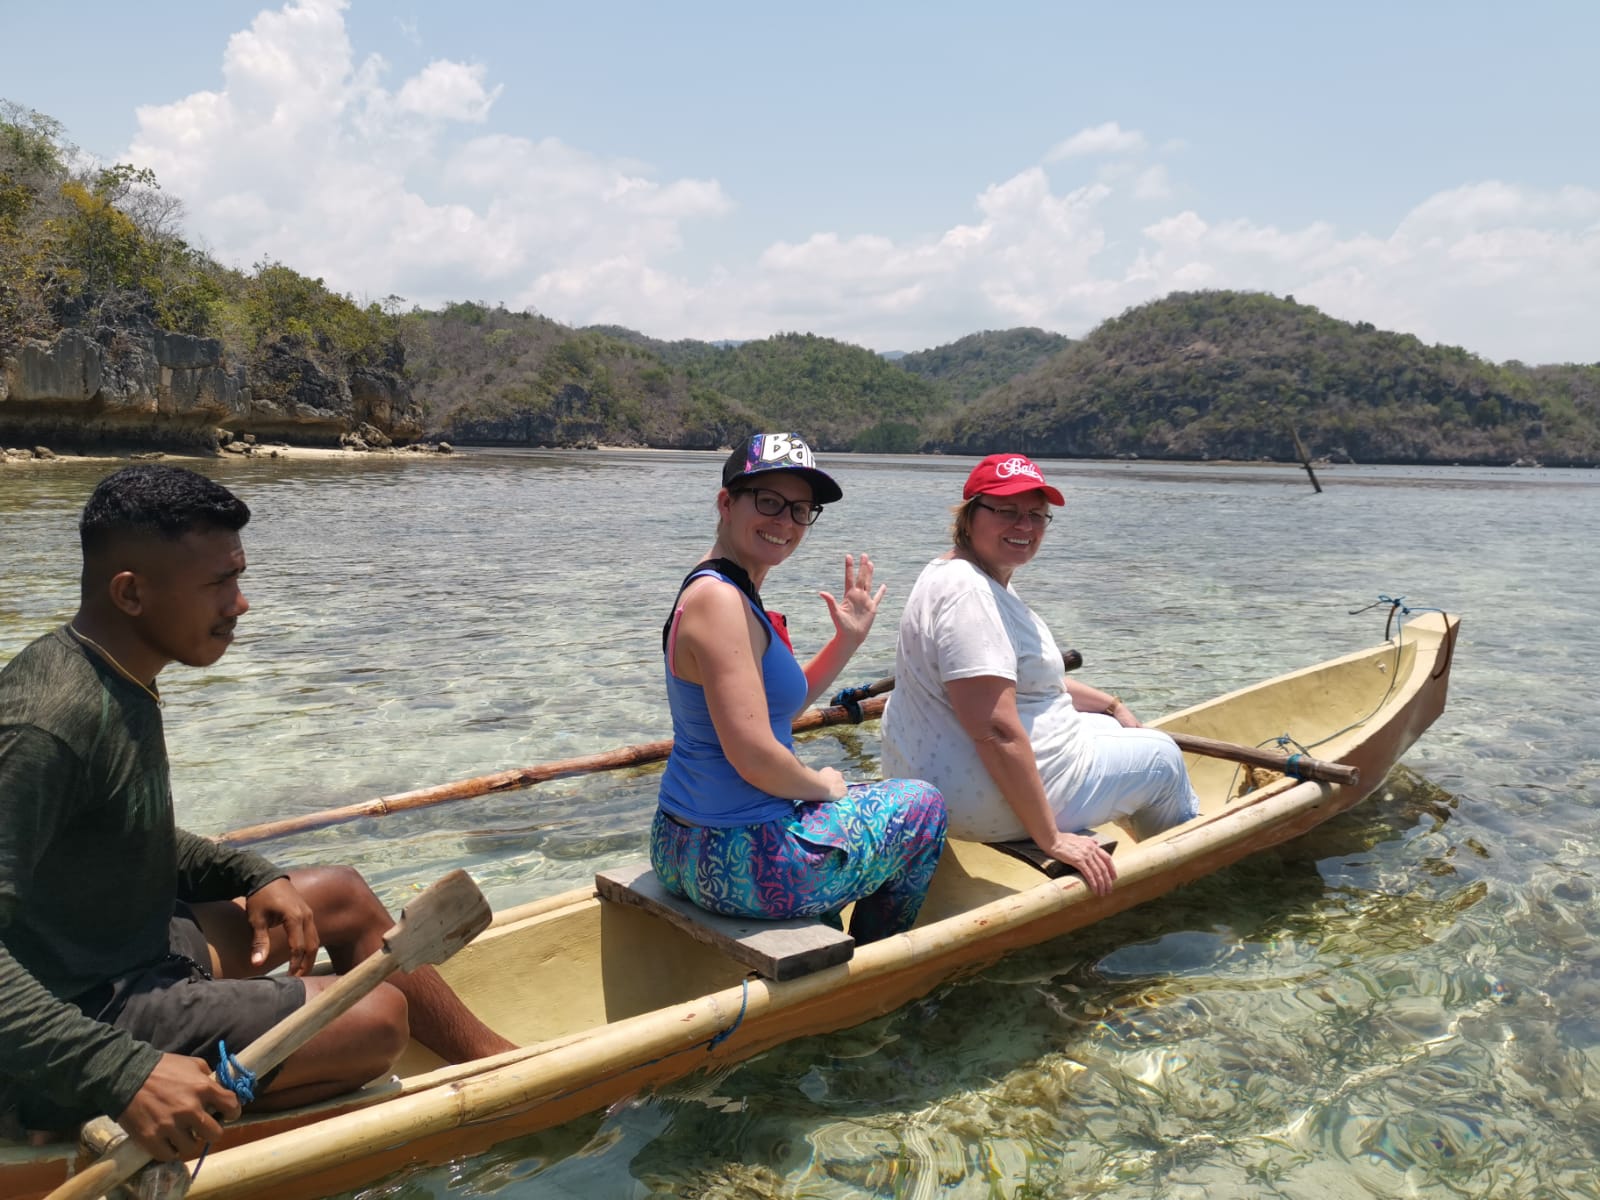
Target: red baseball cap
[(1006, 475)]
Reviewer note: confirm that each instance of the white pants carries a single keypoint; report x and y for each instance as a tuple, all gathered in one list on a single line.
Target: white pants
[(1137, 779)]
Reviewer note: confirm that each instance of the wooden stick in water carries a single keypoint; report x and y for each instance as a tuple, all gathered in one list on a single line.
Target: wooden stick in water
[(651, 752), (521, 777)]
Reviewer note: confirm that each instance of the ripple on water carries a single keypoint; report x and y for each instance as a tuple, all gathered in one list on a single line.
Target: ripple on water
[(1400, 1003)]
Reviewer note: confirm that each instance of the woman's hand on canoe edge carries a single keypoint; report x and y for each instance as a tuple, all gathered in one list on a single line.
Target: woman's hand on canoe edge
[(1086, 856)]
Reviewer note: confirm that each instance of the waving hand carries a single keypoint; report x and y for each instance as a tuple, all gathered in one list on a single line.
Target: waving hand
[(853, 615)]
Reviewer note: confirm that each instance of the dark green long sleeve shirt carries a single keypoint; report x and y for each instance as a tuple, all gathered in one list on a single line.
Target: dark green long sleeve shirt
[(91, 863)]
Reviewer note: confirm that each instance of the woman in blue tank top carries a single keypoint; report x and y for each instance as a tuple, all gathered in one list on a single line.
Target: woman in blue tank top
[(745, 828)]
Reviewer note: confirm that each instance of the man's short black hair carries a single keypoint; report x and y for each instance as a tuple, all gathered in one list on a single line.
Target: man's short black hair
[(153, 501)]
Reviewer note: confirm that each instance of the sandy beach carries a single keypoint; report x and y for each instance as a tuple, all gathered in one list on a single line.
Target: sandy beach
[(9, 457)]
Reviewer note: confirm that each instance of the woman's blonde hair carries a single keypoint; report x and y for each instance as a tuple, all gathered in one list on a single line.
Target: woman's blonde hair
[(961, 527)]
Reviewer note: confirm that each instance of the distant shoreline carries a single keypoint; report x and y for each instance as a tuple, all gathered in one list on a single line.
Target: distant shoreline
[(261, 453), (279, 451)]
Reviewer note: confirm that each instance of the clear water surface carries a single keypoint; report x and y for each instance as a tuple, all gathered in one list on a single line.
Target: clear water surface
[(1402, 1003)]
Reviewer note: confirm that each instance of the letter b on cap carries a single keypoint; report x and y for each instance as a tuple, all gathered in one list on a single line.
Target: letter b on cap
[(775, 447)]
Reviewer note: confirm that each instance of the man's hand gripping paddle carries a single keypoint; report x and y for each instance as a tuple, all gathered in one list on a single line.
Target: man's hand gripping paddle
[(431, 928)]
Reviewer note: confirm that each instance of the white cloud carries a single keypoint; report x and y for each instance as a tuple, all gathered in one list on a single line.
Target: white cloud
[(1503, 270), (1152, 184), (1109, 138), (308, 156), (449, 91), (314, 156)]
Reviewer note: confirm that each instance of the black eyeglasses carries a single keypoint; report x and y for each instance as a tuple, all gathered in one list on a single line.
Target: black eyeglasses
[(770, 503), (1010, 513)]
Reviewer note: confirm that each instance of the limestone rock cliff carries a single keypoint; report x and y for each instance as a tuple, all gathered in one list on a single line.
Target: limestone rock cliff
[(146, 386)]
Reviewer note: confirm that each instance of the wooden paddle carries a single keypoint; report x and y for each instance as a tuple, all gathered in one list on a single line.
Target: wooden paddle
[(431, 928)]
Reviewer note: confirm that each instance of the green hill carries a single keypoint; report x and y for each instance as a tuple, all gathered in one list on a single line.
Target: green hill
[(490, 375), (681, 353), (91, 266), (842, 397), (498, 376), (1208, 375), (968, 367)]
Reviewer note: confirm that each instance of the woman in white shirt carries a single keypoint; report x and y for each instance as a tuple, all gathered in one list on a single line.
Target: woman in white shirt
[(982, 710)]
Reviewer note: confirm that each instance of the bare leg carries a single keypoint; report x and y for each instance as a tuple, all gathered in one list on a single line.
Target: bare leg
[(351, 922), (357, 1048)]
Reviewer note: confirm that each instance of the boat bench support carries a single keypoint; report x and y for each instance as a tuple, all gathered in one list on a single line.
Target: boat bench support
[(777, 950), (1029, 852)]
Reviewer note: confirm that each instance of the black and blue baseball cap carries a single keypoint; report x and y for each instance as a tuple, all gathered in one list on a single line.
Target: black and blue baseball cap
[(763, 452)]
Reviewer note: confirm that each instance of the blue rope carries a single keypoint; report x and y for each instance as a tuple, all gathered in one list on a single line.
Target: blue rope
[(850, 699), (1397, 607), (238, 1079), (235, 1076), (744, 1003)]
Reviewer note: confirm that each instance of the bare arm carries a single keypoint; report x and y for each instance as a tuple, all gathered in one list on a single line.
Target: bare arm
[(852, 621), (719, 646), (986, 707), (1087, 699)]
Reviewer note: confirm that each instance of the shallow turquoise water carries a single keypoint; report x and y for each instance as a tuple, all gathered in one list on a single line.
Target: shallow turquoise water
[(1401, 1003)]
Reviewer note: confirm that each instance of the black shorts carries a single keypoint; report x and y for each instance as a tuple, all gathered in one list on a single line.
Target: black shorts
[(177, 1006)]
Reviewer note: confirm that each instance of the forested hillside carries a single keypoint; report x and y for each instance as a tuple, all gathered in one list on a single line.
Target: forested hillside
[(842, 396), (100, 248), (1207, 375), (492, 376), (111, 323), (966, 368)]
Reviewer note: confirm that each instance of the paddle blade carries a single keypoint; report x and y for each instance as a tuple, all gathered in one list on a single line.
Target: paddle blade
[(438, 922), (158, 1181)]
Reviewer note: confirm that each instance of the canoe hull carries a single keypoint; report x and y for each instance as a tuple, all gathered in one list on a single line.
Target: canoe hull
[(637, 1036)]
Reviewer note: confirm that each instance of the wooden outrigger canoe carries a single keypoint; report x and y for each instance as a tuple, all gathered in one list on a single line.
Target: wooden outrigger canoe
[(605, 999)]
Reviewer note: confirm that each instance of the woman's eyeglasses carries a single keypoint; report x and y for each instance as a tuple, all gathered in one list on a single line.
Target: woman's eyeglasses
[(1011, 512), (770, 503)]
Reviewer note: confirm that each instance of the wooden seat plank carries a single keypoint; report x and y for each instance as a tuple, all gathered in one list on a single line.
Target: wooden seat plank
[(778, 950)]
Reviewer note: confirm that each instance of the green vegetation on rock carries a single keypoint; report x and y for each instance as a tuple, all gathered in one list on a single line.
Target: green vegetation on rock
[(94, 255), (487, 375), (970, 366), (100, 248), (841, 396), (1225, 375)]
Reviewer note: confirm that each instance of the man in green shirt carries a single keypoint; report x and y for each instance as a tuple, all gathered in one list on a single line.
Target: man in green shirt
[(128, 947)]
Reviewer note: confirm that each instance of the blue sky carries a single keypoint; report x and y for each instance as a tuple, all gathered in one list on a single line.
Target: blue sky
[(896, 175)]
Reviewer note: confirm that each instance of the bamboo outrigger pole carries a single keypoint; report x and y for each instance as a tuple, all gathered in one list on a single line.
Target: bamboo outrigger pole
[(521, 777), (866, 704)]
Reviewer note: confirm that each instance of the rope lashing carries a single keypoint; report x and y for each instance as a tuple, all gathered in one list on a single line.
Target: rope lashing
[(1291, 764), (850, 700), (238, 1079), (744, 1003), (1397, 607), (235, 1076)]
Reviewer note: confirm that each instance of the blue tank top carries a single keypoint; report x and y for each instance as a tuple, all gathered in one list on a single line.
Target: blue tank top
[(700, 785)]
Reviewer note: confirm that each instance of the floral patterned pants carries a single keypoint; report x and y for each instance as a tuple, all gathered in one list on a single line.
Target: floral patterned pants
[(877, 846)]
